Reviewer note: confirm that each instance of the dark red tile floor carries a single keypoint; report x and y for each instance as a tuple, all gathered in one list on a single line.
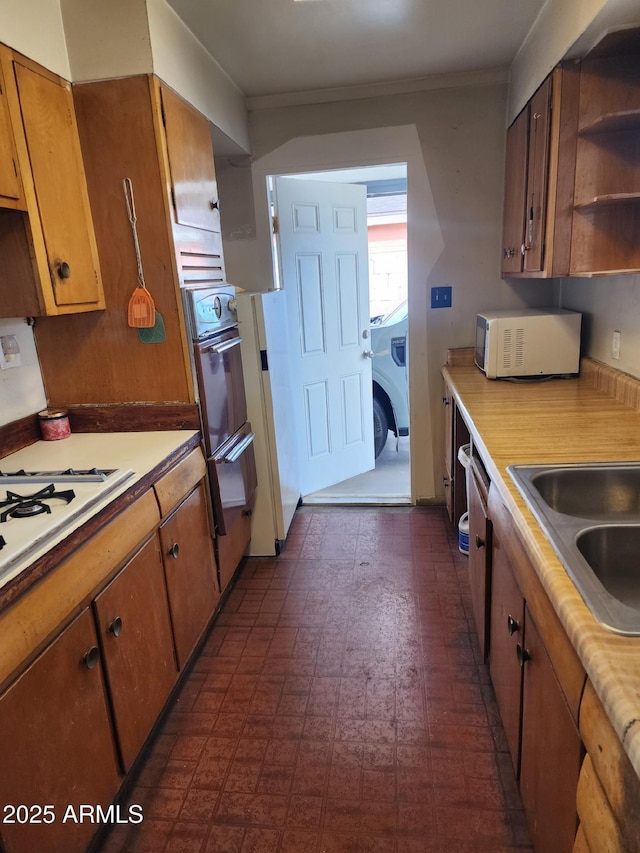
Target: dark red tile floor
[(339, 705)]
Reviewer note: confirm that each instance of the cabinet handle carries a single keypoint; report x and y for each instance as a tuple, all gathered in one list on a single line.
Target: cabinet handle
[(512, 625), (445, 482), (508, 253), (116, 627), (92, 657), (480, 543), (522, 654), (445, 401), (64, 270), (174, 550), (215, 205)]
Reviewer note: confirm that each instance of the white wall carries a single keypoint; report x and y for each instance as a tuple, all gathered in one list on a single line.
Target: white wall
[(453, 140), (563, 28), (117, 38), (21, 388), (181, 61), (608, 304), (107, 38), (34, 27)]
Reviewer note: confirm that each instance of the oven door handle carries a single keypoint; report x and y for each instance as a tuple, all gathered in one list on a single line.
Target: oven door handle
[(218, 349), (238, 449)]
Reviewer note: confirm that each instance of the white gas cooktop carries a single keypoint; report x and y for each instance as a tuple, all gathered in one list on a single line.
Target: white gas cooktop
[(37, 506)]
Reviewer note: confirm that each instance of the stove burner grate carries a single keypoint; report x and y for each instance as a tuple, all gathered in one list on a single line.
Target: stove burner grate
[(69, 475), (27, 506)]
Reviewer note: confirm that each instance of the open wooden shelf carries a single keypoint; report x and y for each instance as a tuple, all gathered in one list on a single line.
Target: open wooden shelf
[(612, 123), (608, 200)]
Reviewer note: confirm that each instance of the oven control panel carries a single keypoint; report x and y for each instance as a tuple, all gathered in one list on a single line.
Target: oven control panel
[(209, 310)]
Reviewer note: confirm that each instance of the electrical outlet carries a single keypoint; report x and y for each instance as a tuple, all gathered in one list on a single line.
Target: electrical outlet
[(9, 352), (615, 345), (441, 297)]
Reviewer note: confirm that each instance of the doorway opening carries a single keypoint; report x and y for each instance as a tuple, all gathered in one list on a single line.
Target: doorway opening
[(388, 482)]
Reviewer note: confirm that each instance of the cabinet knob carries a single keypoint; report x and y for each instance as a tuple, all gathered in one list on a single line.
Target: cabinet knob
[(508, 253), (215, 205), (116, 627), (445, 401), (64, 270), (445, 482), (512, 625), (92, 657), (480, 543), (522, 654), (174, 550)]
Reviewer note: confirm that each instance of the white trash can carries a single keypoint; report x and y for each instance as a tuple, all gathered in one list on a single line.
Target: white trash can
[(464, 457), (463, 533)]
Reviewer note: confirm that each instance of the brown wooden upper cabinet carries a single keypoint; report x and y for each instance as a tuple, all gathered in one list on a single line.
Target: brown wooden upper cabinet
[(194, 190), (539, 171), (606, 221), (51, 259)]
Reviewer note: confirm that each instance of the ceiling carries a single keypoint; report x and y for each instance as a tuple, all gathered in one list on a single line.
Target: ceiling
[(280, 46)]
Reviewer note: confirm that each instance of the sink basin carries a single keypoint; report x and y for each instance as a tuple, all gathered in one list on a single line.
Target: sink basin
[(613, 552), (599, 491), (591, 515)]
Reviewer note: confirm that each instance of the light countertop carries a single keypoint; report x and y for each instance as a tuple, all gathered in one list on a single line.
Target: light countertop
[(138, 452), (554, 422)]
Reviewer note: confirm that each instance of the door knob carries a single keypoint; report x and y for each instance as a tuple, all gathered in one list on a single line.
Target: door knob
[(368, 353)]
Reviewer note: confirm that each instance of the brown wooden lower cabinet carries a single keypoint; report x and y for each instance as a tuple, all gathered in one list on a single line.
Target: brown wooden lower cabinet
[(96, 690), (56, 746), (551, 751), (187, 549), (608, 788), (135, 634), (480, 531), (541, 731), (507, 632)]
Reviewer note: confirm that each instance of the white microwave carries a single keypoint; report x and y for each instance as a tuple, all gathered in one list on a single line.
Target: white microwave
[(528, 342)]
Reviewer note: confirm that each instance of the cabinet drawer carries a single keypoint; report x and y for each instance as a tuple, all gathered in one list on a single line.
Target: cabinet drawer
[(178, 482)]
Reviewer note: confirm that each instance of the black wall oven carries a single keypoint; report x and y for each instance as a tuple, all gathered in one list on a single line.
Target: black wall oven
[(213, 326)]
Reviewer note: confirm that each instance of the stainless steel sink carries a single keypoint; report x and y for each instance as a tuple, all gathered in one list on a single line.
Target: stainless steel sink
[(613, 552), (591, 516), (601, 492)]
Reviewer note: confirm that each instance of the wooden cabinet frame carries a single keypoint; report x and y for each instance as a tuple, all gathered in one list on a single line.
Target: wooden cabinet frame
[(57, 230), (539, 180)]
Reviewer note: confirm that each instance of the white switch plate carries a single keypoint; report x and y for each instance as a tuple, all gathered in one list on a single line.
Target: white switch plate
[(615, 345)]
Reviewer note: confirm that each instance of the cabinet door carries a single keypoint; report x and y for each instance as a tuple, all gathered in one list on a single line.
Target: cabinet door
[(135, 632), (479, 562), (506, 634), (48, 118), (537, 178), (10, 185), (56, 743), (191, 165), (447, 484), (189, 563), (551, 752), (515, 194)]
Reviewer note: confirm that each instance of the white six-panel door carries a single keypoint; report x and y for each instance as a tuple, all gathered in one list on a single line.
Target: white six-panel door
[(324, 269)]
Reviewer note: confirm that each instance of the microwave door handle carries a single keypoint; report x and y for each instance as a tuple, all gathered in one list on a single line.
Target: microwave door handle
[(237, 450), (218, 349)]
